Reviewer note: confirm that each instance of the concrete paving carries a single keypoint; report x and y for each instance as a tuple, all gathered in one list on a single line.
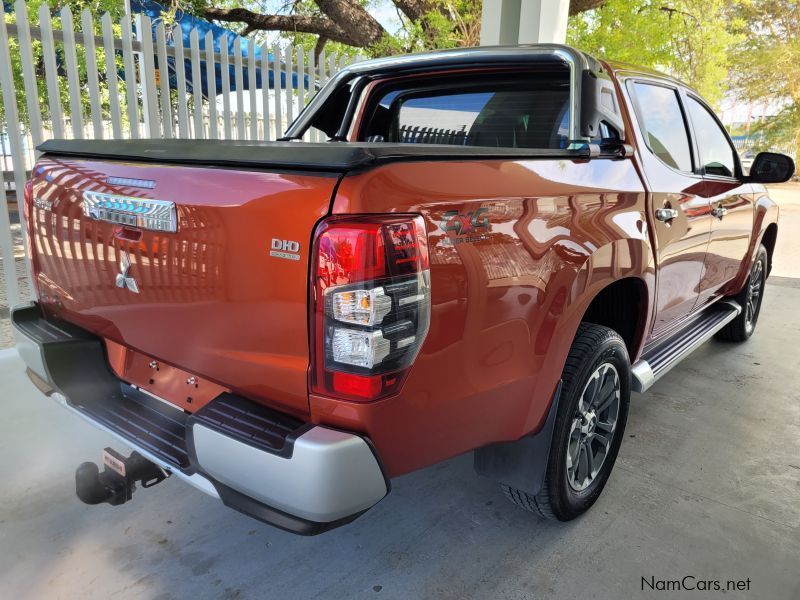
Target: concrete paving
[(707, 485)]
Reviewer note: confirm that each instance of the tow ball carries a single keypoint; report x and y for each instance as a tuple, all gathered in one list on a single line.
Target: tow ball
[(118, 480)]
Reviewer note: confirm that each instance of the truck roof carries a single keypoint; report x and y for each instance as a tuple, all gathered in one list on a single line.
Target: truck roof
[(476, 55), (618, 66), (494, 54)]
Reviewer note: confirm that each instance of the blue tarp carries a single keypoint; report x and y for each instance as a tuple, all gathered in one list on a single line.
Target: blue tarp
[(222, 37)]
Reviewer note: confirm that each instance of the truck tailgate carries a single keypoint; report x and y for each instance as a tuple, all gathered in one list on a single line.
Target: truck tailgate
[(223, 297)]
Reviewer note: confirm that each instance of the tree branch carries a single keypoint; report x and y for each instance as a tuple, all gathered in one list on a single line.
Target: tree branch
[(292, 23), (414, 9), (319, 47), (673, 11), (579, 6), (354, 20), (344, 21)]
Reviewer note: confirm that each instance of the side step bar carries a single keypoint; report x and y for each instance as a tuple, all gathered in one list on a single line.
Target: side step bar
[(659, 358)]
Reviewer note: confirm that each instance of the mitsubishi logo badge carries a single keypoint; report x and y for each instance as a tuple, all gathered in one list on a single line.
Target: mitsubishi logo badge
[(123, 281)]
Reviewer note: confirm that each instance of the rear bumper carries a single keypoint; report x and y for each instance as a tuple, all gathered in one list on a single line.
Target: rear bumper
[(297, 476)]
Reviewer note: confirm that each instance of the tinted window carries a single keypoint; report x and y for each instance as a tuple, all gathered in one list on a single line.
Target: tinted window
[(663, 124), (454, 114), (530, 112), (716, 154)]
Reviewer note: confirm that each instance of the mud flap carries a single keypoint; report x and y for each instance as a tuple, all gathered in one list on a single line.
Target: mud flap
[(521, 464)]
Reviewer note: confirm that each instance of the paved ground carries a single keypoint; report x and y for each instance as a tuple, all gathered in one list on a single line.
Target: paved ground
[(707, 485)]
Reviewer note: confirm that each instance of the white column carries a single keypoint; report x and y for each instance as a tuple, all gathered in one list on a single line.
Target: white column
[(543, 21), (524, 22), (500, 22)]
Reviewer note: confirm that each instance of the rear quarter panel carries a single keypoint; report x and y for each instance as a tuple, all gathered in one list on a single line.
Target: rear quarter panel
[(765, 213), (518, 250)]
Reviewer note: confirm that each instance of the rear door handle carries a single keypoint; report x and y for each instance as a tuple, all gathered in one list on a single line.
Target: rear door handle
[(719, 212), (666, 214)]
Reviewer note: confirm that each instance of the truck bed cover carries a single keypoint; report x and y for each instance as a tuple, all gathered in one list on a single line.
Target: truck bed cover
[(336, 157)]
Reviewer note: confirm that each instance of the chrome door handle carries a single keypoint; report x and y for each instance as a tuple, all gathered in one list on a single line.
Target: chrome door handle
[(719, 212), (666, 214)]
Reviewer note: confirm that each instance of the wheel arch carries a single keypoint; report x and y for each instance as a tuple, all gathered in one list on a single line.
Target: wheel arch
[(613, 307), (765, 231), (616, 281)]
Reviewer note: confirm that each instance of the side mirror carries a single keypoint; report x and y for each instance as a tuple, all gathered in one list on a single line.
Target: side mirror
[(771, 167)]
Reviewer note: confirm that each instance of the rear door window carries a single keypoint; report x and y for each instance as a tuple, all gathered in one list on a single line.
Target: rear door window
[(512, 111), (660, 116), (716, 152)]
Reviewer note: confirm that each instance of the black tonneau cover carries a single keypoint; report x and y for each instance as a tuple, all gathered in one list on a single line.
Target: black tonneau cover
[(327, 156)]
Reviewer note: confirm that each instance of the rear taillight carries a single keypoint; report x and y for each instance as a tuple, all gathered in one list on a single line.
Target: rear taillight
[(371, 304)]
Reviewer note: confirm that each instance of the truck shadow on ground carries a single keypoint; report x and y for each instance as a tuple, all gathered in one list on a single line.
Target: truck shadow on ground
[(435, 535)]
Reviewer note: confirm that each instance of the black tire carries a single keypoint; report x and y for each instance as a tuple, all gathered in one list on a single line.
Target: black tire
[(750, 298), (594, 346)]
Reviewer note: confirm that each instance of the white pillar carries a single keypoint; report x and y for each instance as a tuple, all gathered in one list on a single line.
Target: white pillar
[(524, 22), (543, 21), (500, 22)]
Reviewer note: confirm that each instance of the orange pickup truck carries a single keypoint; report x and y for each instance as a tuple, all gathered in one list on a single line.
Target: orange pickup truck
[(491, 250)]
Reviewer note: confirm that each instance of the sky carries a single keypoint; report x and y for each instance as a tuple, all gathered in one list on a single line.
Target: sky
[(385, 13)]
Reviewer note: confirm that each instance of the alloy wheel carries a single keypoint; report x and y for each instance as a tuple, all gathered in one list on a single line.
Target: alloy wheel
[(755, 287), (593, 426)]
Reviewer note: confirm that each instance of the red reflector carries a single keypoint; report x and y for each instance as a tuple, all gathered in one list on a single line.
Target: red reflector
[(357, 385)]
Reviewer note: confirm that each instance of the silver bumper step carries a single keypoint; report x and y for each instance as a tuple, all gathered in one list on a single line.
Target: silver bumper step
[(659, 358)]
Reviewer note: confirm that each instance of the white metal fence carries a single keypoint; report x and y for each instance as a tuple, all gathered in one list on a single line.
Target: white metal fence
[(107, 80)]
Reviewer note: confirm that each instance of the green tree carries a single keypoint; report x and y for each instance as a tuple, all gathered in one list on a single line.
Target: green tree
[(768, 68), (689, 39)]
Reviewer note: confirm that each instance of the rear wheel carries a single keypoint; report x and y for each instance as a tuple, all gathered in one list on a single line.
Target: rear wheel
[(589, 426), (743, 326)]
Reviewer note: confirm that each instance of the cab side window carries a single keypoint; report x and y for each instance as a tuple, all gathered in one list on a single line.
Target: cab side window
[(660, 116), (716, 154)]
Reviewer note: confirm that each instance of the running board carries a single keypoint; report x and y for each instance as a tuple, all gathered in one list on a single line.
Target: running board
[(659, 358)]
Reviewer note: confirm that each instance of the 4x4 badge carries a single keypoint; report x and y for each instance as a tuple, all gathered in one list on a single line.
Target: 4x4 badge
[(123, 280), (465, 223)]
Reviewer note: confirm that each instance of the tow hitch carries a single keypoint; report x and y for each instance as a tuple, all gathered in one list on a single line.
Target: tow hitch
[(117, 482)]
